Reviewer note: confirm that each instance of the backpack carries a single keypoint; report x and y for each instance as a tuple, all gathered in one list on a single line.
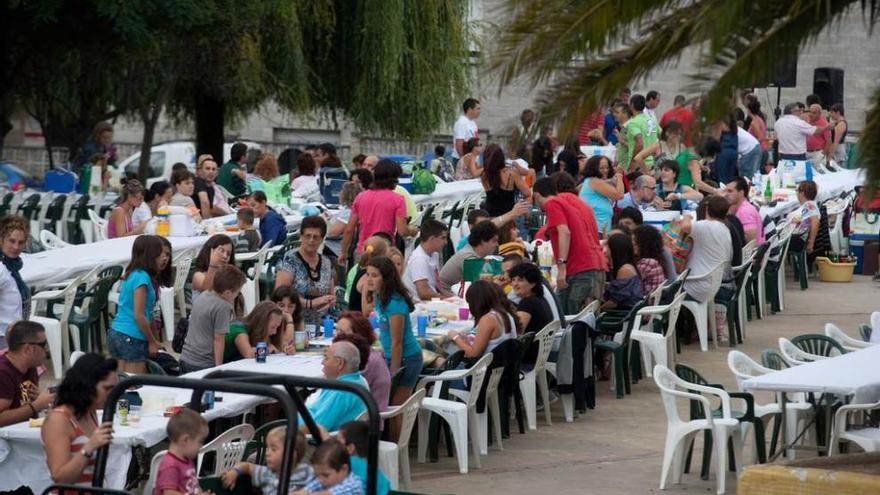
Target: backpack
[(423, 181), (167, 362), (180, 332)]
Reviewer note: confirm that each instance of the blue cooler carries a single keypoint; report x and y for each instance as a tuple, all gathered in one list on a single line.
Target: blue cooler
[(59, 181), (857, 249)]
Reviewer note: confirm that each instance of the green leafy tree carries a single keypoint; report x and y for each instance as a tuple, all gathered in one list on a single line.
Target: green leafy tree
[(587, 50)]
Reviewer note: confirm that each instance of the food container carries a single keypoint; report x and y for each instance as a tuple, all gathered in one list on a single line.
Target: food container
[(830, 271)]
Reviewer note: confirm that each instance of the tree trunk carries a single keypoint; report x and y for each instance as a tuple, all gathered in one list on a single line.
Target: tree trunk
[(144, 171), (209, 114)]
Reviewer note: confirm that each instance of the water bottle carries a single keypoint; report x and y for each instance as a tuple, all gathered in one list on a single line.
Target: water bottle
[(756, 182), (545, 259), (809, 170)]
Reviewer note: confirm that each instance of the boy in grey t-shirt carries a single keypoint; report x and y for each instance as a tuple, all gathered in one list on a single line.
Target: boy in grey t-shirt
[(209, 322)]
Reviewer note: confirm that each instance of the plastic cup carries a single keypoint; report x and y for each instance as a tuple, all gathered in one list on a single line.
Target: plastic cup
[(374, 321), (134, 415), (422, 325), (464, 313), (329, 326), (299, 340)]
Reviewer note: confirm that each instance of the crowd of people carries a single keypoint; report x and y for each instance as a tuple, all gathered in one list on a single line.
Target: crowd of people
[(589, 209)]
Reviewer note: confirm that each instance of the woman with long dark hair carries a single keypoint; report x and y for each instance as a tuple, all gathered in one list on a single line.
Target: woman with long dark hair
[(599, 190), (467, 166), (393, 306), (533, 310), (495, 316), (625, 288), (500, 182), (219, 250), (287, 298), (263, 324), (131, 338), (71, 433), (648, 249)]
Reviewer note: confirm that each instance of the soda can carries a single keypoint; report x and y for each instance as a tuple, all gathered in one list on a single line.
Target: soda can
[(208, 399), (262, 352)]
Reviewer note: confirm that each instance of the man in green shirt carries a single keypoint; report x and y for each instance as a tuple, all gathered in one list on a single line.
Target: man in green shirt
[(232, 174), (622, 113), (641, 131)]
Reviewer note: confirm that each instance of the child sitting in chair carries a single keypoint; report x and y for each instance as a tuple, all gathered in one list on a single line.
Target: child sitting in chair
[(187, 431), (266, 477)]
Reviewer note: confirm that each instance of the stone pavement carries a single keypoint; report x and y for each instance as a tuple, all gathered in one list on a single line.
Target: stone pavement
[(617, 448)]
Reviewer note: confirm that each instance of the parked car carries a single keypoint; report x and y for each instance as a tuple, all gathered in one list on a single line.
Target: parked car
[(14, 178), (163, 156)]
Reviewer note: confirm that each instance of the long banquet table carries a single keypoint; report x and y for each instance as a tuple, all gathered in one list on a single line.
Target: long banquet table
[(23, 461)]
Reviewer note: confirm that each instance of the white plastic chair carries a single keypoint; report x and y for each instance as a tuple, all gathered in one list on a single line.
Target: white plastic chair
[(705, 311), (742, 300), (99, 225), (251, 289), (461, 417), (51, 241), (680, 433), (167, 295), (749, 249), (57, 326), (875, 327), (656, 347), (793, 355), (228, 447), (784, 241), (394, 457), (154, 472), (537, 377), (61, 225), (847, 342), (868, 438), (798, 412), (492, 407)]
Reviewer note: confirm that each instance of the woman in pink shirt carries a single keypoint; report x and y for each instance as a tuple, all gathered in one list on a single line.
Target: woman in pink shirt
[(378, 209)]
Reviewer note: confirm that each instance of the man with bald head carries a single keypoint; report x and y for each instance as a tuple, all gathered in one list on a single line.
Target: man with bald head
[(332, 408), (817, 143), (370, 162), (641, 193)]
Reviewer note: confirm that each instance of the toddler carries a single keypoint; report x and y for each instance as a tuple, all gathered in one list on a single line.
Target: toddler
[(187, 431), (355, 435), (333, 474), (266, 477), (248, 237)]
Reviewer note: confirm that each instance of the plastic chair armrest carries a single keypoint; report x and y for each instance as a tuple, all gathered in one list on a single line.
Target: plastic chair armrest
[(715, 390), (749, 399)]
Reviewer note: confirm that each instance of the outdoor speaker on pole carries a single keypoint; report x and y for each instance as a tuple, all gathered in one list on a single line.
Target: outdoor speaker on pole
[(828, 85)]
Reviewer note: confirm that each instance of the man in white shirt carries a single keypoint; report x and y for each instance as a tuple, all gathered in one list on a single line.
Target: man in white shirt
[(791, 133), (465, 127), (652, 101), (422, 273), (712, 246)]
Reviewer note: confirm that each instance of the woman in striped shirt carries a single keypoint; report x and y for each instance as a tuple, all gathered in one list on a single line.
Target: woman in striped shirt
[(71, 433)]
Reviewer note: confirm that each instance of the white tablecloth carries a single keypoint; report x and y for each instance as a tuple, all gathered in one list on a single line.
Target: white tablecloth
[(449, 190), (855, 374), (60, 264), (23, 461), (829, 185)]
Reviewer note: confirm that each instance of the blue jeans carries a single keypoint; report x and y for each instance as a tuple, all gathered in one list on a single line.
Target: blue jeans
[(583, 288), (750, 162), (413, 366), (127, 348)]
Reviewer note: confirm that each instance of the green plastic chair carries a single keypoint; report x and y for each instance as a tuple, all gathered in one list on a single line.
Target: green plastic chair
[(865, 332), (697, 412), (257, 445), (78, 212), (734, 323), (215, 484), (89, 322), (771, 358), (620, 350), (4, 203), (820, 345)]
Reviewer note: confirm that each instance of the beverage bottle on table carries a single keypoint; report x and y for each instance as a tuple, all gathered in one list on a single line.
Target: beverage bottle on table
[(261, 352), (768, 191)]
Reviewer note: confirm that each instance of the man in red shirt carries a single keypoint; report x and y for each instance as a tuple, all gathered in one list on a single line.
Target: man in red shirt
[(816, 143), (682, 115), (571, 226)]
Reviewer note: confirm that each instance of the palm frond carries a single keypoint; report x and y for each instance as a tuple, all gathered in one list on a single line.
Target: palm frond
[(869, 143)]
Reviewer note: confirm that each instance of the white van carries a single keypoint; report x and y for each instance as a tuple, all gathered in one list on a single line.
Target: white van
[(164, 156)]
